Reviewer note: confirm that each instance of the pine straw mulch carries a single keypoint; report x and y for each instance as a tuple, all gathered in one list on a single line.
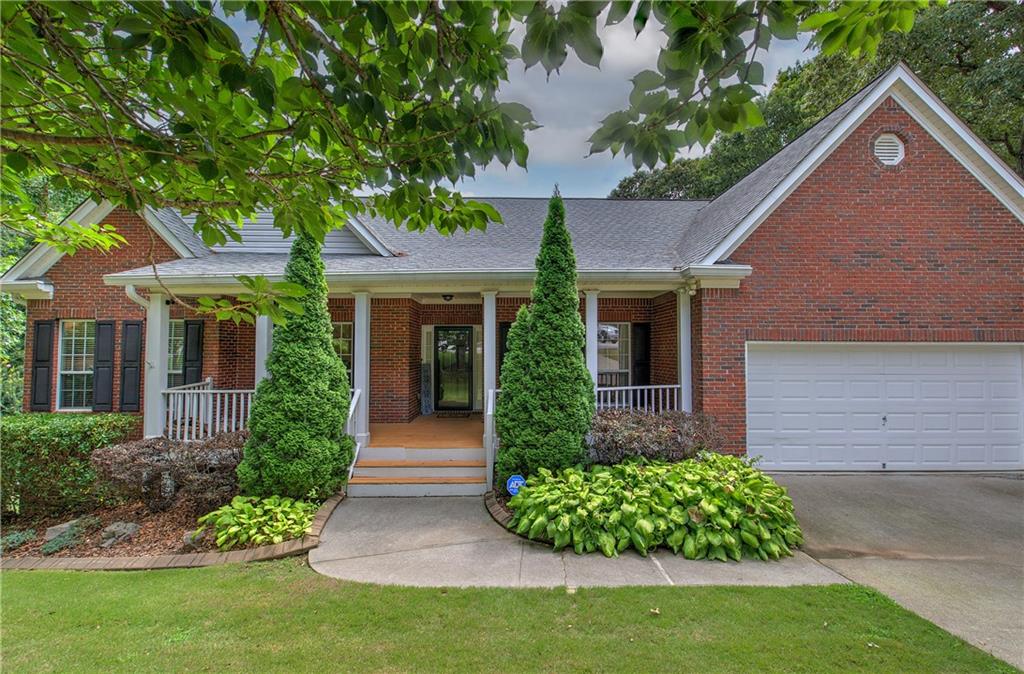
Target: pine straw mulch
[(159, 533)]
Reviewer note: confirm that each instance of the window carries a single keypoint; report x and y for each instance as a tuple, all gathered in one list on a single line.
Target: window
[(175, 353), (77, 349), (343, 345), (613, 355)]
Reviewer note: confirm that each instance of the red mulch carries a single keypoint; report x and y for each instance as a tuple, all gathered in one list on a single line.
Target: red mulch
[(159, 533)]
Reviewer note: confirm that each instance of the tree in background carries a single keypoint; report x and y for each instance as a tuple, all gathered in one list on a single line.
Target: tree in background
[(297, 446), (56, 202), (544, 422), (970, 53)]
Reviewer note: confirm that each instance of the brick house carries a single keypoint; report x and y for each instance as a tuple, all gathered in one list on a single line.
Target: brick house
[(857, 302)]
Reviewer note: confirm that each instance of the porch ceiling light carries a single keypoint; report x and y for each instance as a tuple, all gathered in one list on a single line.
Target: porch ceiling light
[(448, 297)]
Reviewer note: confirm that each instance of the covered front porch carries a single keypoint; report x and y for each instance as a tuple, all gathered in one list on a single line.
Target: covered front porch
[(424, 366)]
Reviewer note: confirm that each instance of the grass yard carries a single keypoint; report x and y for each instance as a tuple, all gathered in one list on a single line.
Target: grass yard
[(281, 616)]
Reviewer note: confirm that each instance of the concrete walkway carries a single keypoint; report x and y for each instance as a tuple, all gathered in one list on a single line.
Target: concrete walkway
[(453, 542)]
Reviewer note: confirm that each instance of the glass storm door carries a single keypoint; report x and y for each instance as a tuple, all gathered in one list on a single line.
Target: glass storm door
[(453, 368)]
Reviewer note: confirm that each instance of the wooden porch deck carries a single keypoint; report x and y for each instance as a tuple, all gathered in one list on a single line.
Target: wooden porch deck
[(431, 432)]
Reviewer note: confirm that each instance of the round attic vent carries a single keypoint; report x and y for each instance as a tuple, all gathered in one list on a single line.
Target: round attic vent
[(889, 149)]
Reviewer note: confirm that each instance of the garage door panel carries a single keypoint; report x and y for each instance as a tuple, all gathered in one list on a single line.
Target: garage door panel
[(894, 406)]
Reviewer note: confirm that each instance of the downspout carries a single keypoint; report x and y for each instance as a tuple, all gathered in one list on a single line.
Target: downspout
[(134, 296)]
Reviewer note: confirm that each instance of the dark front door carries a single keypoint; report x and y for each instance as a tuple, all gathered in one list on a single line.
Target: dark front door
[(453, 368)]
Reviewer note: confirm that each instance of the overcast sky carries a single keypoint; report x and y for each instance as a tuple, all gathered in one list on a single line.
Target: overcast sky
[(570, 107)]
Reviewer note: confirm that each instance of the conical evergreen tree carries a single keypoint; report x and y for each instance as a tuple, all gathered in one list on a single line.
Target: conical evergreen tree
[(297, 446), (544, 423)]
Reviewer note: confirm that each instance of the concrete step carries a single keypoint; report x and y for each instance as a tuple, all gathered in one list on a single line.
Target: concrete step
[(367, 486), (417, 454), (425, 472)]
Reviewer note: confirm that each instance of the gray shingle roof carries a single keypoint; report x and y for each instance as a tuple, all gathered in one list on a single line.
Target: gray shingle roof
[(728, 210), (607, 235), (181, 229)]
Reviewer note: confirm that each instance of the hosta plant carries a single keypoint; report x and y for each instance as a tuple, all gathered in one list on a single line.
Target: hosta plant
[(249, 520), (713, 507)]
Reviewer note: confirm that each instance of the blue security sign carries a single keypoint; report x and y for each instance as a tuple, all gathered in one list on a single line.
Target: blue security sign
[(514, 484)]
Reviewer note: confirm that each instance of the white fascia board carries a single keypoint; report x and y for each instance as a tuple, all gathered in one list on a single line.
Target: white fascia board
[(39, 260), (717, 275), (166, 234), (903, 75), (368, 238), (411, 281), (29, 290)]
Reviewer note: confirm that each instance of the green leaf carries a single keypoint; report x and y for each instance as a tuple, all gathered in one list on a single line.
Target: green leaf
[(233, 76), (181, 60), (517, 112), (208, 169), (263, 88)]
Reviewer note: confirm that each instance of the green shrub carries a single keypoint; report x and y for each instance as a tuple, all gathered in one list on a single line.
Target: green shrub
[(16, 539), (72, 536), (297, 446), (547, 395), (667, 436), (45, 468), (251, 520), (718, 507)]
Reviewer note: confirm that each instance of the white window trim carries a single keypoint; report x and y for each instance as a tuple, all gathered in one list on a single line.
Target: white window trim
[(352, 351), (629, 351), (181, 370), (60, 364)]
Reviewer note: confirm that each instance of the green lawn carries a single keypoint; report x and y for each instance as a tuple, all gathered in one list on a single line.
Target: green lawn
[(280, 616)]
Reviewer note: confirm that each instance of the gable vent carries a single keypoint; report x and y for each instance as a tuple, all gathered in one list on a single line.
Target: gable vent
[(889, 149)]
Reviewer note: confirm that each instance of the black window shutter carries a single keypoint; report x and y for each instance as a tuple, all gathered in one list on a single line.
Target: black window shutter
[(42, 366), (103, 368), (131, 365), (192, 369), (641, 340)]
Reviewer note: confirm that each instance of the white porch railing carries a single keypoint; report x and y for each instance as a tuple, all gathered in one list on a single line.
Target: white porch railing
[(352, 405), (198, 411), (655, 398)]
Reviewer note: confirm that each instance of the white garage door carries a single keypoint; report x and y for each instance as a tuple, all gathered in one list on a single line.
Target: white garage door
[(885, 406)]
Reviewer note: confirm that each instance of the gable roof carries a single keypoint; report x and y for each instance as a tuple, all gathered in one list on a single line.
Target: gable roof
[(608, 236), (735, 214)]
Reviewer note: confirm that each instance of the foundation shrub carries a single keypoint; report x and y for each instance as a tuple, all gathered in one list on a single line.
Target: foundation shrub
[(617, 435), (157, 471), (46, 467)]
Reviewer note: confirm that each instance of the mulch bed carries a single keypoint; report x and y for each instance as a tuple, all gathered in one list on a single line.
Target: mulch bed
[(159, 533)]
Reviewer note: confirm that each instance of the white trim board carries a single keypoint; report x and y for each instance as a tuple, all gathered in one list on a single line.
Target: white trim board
[(903, 86)]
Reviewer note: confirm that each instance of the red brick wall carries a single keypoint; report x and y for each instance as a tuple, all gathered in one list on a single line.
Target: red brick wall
[(664, 340), (451, 314), (79, 291), (862, 252), (394, 359), (342, 309)]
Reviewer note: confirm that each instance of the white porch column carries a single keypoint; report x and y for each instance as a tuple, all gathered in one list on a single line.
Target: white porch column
[(591, 314), (264, 341), (361, 365), (490, 374), (490, 341), (157, 317), (685, 348)]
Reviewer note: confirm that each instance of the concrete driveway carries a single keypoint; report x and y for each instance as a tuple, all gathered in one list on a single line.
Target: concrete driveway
[(948, 547)]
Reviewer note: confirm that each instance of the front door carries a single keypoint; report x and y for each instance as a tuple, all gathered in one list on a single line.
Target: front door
[(453, 368)]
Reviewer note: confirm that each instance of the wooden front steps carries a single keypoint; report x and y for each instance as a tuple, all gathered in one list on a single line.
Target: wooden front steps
[(412, 471)]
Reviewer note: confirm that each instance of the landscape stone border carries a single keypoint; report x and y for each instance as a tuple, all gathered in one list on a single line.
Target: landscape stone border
[(498, 511), (188, 560)]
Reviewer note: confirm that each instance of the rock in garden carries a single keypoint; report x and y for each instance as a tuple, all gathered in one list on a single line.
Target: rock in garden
[(192, 539), (118, 532), (58, 529)]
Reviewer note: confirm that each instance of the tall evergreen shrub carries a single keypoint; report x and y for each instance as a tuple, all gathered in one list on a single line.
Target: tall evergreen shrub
[(547, 395), (297, 446)]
